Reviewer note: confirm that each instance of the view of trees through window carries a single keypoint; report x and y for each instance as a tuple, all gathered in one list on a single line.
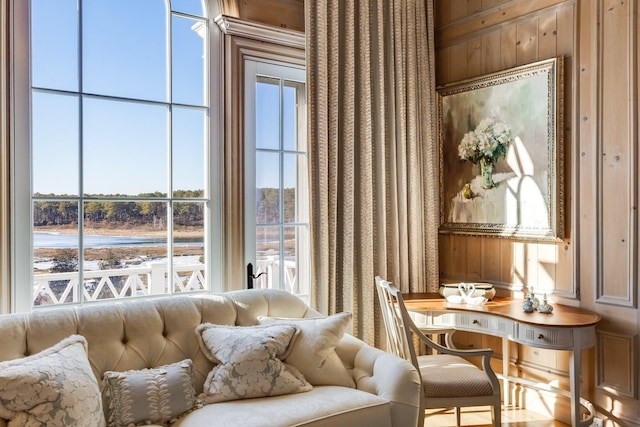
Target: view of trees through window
[(119, 147), (281, 224)]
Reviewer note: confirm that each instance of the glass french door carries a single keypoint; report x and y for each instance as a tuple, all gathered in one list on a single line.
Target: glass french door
[(276, 177)]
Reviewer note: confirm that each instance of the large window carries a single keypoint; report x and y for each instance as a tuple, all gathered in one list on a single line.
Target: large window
[(123, 182), (120, 162)]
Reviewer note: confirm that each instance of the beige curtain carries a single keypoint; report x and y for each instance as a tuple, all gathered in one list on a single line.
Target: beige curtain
[(370, 78)]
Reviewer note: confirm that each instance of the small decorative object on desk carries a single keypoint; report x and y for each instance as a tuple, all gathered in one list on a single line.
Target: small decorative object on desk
[(527, 307), (534, 299), (485, 290), (545, 307), (466, 295), (531, 303)]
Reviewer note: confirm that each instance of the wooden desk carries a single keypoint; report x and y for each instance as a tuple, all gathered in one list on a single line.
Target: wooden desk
[(567, 328)]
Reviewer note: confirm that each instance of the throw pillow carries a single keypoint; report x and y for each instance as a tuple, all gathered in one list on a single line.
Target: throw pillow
[(248, 362), (55, 387), (313, 352), (155, 395)]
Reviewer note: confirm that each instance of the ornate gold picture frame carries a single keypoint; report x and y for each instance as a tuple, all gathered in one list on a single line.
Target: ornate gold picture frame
[(501, 153)]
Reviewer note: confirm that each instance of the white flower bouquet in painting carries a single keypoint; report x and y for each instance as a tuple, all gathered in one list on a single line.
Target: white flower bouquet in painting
[(485, 145)]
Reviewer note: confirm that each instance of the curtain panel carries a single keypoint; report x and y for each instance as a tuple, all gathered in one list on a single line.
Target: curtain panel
[(372, 153)]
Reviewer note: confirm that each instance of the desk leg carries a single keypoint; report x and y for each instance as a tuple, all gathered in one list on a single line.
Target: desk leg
[(575, 362), (505, 371)]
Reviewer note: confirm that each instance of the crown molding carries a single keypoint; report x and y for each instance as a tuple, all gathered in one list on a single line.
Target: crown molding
[(236, 27)]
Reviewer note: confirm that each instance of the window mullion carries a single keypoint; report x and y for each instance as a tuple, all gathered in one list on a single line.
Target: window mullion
[(80, 200), (170, 192), (281, 285)]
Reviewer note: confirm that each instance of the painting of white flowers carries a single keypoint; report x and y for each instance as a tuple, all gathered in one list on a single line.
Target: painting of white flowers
[(501, 153)]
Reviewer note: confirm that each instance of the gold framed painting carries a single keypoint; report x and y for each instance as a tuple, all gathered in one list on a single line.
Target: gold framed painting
[(501, 153)]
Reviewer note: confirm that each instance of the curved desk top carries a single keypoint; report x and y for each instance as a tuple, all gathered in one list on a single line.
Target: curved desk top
[(567, 328), (563, 316)]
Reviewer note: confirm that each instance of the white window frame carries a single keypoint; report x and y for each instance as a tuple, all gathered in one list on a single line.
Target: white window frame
[(21, 263), (253, 69), (245, 40)]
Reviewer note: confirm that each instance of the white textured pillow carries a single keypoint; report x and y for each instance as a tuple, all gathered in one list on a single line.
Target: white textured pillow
[(149, 395), (55, 387), (313, 352), (249, 362)]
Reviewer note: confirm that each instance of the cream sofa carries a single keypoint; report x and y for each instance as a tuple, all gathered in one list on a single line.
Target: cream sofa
[(142, 334)]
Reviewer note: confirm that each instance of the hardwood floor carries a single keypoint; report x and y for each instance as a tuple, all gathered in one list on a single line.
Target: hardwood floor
[(481, 416)]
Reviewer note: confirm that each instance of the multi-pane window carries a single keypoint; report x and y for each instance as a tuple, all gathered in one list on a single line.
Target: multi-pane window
[(278, 233), (119, 157)]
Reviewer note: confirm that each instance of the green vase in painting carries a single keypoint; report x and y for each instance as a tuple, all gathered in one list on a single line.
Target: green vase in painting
[(486, 171)]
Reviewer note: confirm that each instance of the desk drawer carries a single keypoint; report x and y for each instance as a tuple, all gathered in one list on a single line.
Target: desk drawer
[(555, 338), (474, 322), (461, 321)]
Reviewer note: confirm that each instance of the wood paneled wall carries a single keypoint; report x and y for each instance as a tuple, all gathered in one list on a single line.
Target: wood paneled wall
[(596, 266), (280, 13), (475, 38)]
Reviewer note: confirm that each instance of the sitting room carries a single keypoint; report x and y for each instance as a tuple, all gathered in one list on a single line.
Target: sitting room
[(335, 212)]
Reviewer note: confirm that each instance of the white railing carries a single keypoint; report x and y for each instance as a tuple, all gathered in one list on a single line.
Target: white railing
[(150, 279), (271, 266)]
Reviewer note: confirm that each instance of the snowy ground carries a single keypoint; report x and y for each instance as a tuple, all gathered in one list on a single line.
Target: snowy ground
[(46, 265)]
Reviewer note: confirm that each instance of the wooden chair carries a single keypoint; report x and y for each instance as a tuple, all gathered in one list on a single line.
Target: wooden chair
[(448, 379)]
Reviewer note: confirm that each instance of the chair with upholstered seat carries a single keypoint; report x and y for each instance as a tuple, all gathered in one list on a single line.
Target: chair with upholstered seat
[(448, 378)]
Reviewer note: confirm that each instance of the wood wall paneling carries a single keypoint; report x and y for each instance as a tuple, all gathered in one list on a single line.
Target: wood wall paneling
[(505, 45), (617, 349), (474, 57), (596, 266), (279, 13), (458, 10), (491, 270), (547, 34), (527, 41), (508, 47), (474, 259), (491, 52), (586, 151), (456, 21), (458, 62), (617, 162), (459, 254)]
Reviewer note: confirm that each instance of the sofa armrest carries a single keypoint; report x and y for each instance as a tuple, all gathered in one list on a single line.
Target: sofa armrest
[(385, 375)]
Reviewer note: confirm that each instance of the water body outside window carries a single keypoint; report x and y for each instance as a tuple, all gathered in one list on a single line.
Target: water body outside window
[(119, 148)]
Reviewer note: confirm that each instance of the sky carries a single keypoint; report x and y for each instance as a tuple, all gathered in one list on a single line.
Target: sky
[(124, 142)]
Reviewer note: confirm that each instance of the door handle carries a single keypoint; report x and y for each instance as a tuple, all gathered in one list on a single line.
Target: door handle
[(251, 277)]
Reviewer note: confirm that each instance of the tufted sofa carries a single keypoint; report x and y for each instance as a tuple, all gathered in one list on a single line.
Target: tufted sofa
[(142, 334)]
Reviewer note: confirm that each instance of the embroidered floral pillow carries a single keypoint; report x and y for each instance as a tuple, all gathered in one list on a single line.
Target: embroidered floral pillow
[(155, 395), (55, 387), (248, 362)]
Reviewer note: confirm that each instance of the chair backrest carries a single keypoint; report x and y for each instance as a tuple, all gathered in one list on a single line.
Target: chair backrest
[(396, 321)]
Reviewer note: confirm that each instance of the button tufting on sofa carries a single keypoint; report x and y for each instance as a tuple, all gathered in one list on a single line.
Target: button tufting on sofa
[(392, 401)]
